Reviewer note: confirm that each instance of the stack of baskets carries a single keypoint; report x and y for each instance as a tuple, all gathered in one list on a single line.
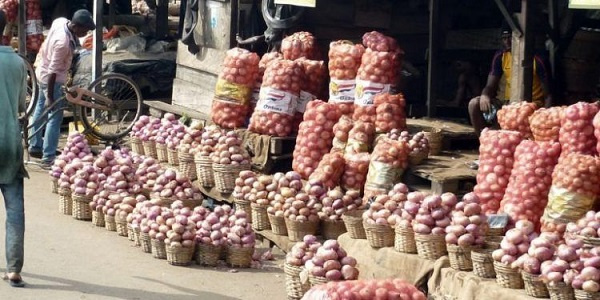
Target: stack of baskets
[(110, 223), (204, 171), (239, 257), (297, 230), (430, 246), (405, 240), (379, 236), (173, 157), (508, 277), (187, 166), (354, 224), (534, 286), (225, 175), (98, 218), (65, 204), (121, 226), (137, 146), (81, 207), (161, 153), (260, 217), (208, 255), (293, 284), (150, 148), (560, 291), (483, 263), (179, 256), (145, 242), (277, 224), (159, 249), (460, 257)]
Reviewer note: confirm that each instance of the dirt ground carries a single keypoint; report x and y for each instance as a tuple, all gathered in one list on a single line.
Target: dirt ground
[(70, 259)]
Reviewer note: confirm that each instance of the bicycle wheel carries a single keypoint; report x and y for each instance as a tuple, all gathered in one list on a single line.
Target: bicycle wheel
[(117, 121), (32, 89)]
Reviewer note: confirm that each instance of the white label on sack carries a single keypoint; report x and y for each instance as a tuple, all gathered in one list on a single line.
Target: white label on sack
[(366, 91), (305, 97), (342, 91), (277, 101), (33, 27)]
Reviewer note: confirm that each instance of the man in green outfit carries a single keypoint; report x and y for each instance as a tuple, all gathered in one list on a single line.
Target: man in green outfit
[(12, 170)]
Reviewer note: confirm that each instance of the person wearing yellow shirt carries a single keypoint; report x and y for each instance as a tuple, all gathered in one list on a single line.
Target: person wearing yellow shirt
[(482, 109)]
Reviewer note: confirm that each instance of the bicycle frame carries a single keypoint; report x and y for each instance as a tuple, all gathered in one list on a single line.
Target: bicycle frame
[(75, 94)]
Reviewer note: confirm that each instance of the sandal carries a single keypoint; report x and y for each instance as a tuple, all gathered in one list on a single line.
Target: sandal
[(14, 282)]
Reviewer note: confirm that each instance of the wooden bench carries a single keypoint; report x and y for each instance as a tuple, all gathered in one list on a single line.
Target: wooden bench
[(455, 136), (159, 108)]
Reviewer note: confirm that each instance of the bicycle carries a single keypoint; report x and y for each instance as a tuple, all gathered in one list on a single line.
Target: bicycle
[(108, 108)]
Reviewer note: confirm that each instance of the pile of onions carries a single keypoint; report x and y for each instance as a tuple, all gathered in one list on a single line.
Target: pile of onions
[(434, 214), (577, 130), (234, 88), (336, 203), (240, 233), (468, 224), (75, 147), (175, 137), (266, 59), (253, 188), (209, 139), (515, 243), (303, 251), (496, 158), (229, 150), (191, 141), (315, 188), (344, 61), (213, 230), (147, 172), (587, 226), (85, 181), (596, 123), (330, 170), (389, 112), (243, 185), (162, 134), (410, 208), (530, 180), (157, 221), (136, 217), (99, 200), (388, 161), (287, 186), (565, 265), (516, 117), (149, 212), (379, 42), (70, 169), (127, 205), (332, 262), (174, 185), (122, 175), (587, 276), (419, 143), (11, 9), (366, 290), (150, 131), (360, 137), (341, 131), (575, 186), (312, 87), (314, 137), (384, 210), (279, 94), (112, 203), (299, 44), (541, 250), (181, 231), (355, 171), (303, 208), (545, 123), (139, 125)]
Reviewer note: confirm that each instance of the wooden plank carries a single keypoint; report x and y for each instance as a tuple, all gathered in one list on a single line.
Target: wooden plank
[(208, 60), (192, 96), (214, 194), (451, 129), (204, 80), (448, 166), (282, 242), (176, 109)]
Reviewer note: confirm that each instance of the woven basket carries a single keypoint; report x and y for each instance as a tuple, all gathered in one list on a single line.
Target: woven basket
[(121, 227), (225, 176), (173, 157), (316, 280), (161, 153), (81, 209), (430, 246), (404, 241), (136, 146), (130, 232), (260, 217), (54, 185), (109, 223), (245, 206), (483, 263), (379, 236), (534, 286), (98, 218), (187, 166), (204, 171), (65, 204), (239, 257), (583, 295), (297, 230), (590, 241), (208, 255), (277, 224), (293, 285), (434, 137), (560, 291), (415, 158), (460, 257), (354, 224), (507, 277), (136, 236), (159, 249), (493, 242), (145, 242), (331, 230), (180, 256), (495, 231), (150, 148)]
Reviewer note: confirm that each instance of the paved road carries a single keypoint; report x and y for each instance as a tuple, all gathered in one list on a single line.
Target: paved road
[(69, 259)]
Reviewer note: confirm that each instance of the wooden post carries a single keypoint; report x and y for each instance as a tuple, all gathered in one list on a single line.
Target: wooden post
[(97, 46), (528, 40), (432, 83), (22, 28), (111, 14), (162, 18)]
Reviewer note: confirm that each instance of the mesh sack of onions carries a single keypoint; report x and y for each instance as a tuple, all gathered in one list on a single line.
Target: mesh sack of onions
[(34, 25), (377, 41), (330, 170), (360, 137), (11, 9), (262, 66), (378, 73), (355, 171), (516, 117), (341, 131), (545, 123), (496, 158), (577, 130), (344, 61), (312, 87), (365, 289), (596, 123), (530, 180), (279, 93), (315, 136), (389, 112), (388, 162), (575, 187), (234, 88), (300, 44)]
